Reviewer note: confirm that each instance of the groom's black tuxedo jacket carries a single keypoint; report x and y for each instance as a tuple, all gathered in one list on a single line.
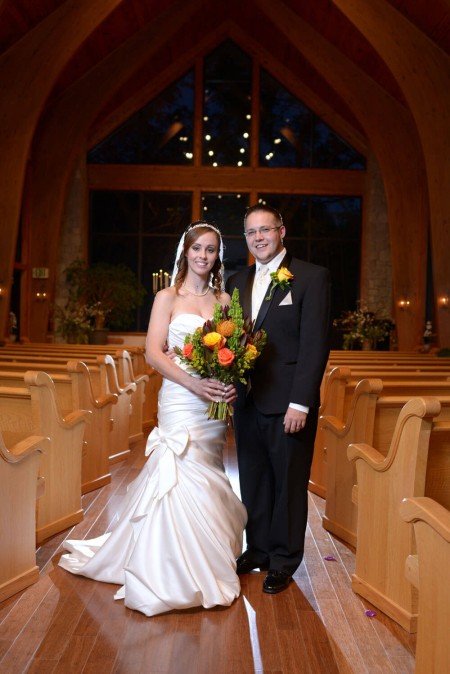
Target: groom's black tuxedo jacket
[(297, 322)]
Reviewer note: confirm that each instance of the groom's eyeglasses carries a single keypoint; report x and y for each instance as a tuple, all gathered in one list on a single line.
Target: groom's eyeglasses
[(251, 233)]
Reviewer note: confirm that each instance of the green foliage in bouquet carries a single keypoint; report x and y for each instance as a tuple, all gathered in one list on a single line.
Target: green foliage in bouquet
[(224, 348)]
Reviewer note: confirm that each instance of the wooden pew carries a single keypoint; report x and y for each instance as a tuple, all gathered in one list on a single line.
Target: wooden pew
[(336, 396), (111, 383), (332, 404), (78, 351), (74, 392), (20, 487), (370, 418), (417, 464), (341, 355), (429, 572), (36, 412), (130, 363), (104, 383), (383, 360)]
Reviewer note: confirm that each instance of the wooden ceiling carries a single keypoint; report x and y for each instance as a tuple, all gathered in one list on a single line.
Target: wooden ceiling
[(247, 22)]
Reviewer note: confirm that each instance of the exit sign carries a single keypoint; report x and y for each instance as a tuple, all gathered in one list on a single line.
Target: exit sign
[(39, 272)]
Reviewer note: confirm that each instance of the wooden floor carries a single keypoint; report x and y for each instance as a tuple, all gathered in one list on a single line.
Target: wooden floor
[(67, 623)]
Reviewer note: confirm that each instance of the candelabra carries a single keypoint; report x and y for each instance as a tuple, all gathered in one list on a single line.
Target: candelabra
[(161, 279)]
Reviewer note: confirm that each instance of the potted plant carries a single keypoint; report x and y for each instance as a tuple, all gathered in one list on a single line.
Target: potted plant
[(105, 294)]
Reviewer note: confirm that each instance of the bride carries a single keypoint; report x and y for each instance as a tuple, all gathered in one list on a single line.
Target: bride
[(174, 543)]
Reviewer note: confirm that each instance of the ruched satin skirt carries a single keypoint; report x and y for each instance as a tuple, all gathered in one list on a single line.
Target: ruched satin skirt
[(174, 543)]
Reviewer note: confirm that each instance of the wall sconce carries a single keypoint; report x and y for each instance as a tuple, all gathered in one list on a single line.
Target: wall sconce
[(404, 303), (2, 292), (444, 302), (41, 296)]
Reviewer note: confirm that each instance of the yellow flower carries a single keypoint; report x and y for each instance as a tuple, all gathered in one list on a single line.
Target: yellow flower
[(251, 352), (283, 274), (213, 340), (282, 278)]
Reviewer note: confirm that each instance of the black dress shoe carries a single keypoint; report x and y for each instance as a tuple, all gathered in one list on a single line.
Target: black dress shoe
[(276, 581), (246, 563)]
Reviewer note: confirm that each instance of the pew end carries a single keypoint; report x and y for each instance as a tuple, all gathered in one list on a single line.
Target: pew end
[(384, 541), (20, 489), (429, 571)]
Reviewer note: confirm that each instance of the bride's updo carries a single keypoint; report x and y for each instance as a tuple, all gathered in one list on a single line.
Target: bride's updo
[(195, 230)]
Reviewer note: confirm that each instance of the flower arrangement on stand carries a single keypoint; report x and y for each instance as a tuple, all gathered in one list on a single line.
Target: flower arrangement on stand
[(363, 327), (73, 323), (223, 348)]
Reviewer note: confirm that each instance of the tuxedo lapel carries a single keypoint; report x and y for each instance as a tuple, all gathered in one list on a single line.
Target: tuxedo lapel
[(266, 304), (264, 308)]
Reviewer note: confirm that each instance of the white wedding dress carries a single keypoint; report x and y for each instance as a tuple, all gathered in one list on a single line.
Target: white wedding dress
[(174, 542)]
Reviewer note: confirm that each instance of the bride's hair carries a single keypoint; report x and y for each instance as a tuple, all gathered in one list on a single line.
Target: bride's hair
[(195, 230)]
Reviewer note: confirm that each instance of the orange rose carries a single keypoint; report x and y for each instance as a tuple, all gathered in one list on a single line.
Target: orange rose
[(187, 350), (225, 357), (213, 340)]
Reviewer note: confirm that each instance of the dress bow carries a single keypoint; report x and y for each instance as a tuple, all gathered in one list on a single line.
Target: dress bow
[(174, 442)]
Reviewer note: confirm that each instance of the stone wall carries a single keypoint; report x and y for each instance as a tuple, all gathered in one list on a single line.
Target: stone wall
[(376, 268)]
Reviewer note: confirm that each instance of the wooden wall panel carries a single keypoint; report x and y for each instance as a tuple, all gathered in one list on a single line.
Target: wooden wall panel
[(393, 137), (423, 72), (28, 70)]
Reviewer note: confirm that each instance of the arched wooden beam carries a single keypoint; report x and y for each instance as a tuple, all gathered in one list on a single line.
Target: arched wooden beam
[(62, 135), (394, 140), (28, 71), (423, 73)]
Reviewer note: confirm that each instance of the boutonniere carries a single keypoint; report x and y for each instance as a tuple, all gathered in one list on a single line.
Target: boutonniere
[(282, 278)]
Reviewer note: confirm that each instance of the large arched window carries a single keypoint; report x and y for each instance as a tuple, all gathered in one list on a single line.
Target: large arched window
[(244, 137)]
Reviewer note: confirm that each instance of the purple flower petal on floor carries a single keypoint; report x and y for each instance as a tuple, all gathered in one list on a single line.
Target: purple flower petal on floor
[(330, 558), (371, 614)]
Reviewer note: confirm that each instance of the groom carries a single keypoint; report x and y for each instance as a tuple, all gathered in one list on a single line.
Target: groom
[(275, 416)]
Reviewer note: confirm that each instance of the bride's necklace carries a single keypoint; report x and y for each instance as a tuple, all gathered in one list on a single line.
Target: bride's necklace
[(191, 292)]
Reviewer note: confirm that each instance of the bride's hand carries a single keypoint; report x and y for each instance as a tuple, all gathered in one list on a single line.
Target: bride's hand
[(214, 390)]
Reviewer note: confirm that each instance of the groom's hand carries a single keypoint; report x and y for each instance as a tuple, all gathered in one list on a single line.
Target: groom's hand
[(294, 420)]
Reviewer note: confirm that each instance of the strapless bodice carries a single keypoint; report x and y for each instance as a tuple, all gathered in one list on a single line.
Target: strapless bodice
[(182, 325)]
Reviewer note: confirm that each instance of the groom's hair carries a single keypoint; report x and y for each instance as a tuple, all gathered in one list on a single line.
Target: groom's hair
[(264, 208)]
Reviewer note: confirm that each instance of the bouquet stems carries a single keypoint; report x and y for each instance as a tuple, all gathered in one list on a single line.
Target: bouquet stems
[(220, 410)]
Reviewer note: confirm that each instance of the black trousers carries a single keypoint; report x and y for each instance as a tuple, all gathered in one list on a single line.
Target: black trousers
[(274, 469)]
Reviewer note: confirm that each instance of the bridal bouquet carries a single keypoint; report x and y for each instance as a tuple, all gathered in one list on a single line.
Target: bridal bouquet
[(224, 348)]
